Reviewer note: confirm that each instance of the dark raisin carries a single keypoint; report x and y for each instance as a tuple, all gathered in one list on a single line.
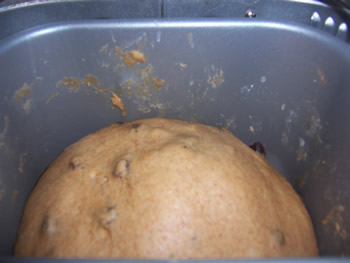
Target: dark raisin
[(278, 236), (258, 147), (48, 225), (45, 224), (75, 162), (135, 126), (73, 165)]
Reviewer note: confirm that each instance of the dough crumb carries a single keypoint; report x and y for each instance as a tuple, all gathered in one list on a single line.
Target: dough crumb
[(107, 215), (118, 51), (122, 169), (134, 56), (118, 102)]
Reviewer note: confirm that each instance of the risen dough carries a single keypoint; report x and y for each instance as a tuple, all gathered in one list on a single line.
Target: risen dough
[(161, 188)]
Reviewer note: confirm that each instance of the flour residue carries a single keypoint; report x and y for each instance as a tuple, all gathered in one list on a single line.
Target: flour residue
[(291, 118), (143, 85), (231, 123), (190, 40), (334, 219), (313, 124), (144, 89), (246, 89), (51, 97), (284, 138), (301, 180), (137, 82), (23, 96), (182, 66), (215, 76), (301, 152), (89, 82), (22, 159), (104, 48), (321, 76)]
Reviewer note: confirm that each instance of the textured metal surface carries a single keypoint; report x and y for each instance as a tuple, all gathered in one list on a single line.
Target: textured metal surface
[(271, 80), (19, 15)]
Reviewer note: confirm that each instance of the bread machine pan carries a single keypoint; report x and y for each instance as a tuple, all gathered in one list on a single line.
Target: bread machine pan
[(271, 71)]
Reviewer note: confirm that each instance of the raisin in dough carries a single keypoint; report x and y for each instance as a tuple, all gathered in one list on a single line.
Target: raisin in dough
[(160, 188)]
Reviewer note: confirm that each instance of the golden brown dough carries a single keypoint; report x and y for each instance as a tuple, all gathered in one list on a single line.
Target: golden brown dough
[(160, 188)]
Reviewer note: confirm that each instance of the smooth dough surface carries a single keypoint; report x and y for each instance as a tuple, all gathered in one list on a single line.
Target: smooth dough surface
[(160, 188)]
